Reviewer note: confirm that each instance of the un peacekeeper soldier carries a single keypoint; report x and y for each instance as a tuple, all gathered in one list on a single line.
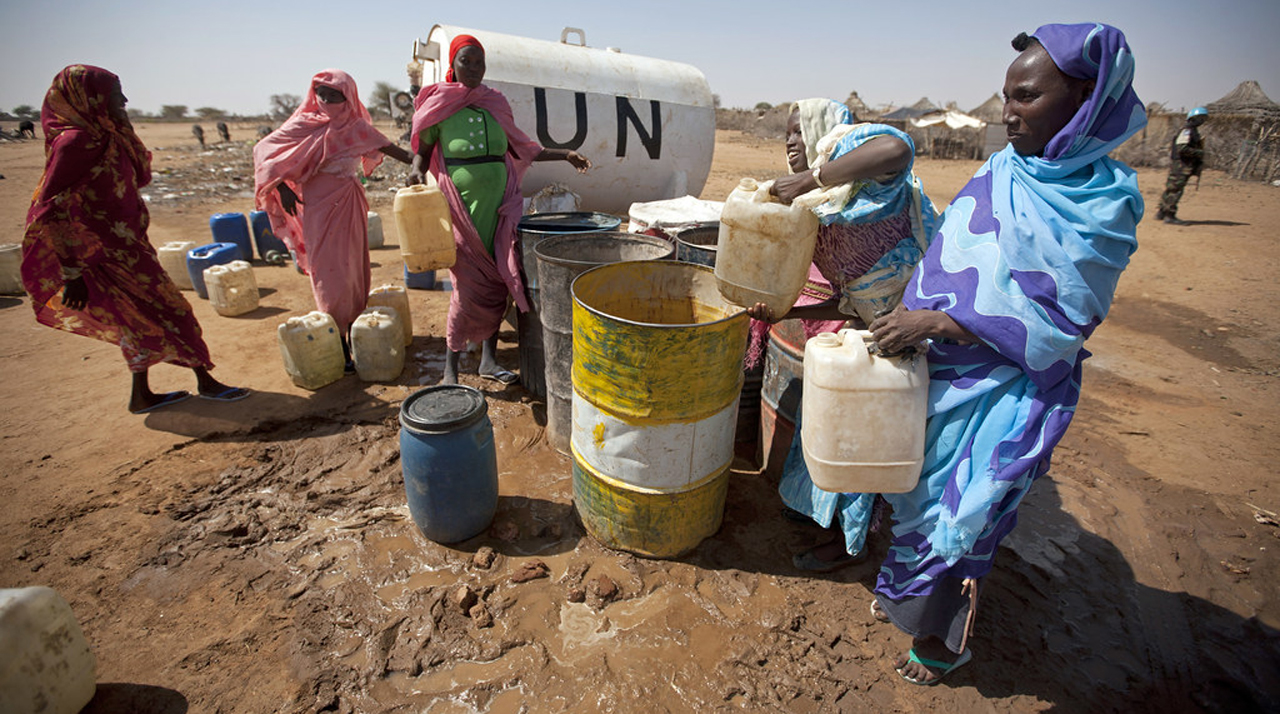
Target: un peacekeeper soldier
[(1185, 160)]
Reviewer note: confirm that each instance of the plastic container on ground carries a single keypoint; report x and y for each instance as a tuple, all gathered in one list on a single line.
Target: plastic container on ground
[(426, 280), (265, 238), (11, 269), (396, 298), (173, 258), (864, 415), (232, 228), (377, 344), (424, 227), (449, 462), (561, 259), (657, 370), (233, 289), (765, 248), (203, 257), (45, 662), (311, 349), (375, 230), (647, 124)]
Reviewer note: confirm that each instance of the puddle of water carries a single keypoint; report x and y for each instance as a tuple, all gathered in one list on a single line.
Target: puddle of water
[(507, 668)]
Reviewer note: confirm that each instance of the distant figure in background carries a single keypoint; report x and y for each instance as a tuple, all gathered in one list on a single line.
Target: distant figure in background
[(27, 129), (86, 260), (224, 135), (465, 135), (263, 131), (198, 132), (1186, 159), (306, 177)]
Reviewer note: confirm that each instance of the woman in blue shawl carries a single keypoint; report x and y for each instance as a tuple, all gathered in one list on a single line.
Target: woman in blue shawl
[(1022, 270), (876, 223)]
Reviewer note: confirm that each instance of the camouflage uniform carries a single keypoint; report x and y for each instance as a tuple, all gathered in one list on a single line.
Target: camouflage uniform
[(1185, 160)]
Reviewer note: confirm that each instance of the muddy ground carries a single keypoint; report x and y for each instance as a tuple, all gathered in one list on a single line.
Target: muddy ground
[(258, 556)]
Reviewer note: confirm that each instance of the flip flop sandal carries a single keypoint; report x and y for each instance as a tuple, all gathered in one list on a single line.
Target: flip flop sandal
[(230, 394), (166, 399), (811, 563), (944, 668), (502, 376)]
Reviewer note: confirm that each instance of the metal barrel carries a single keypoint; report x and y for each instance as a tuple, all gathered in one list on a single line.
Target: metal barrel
[(532, 230), (698, 244), (561, 259), (780, 392), (657, 370)]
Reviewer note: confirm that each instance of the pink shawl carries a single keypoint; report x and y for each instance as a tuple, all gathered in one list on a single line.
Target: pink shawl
[(434, 104), (308, 140)]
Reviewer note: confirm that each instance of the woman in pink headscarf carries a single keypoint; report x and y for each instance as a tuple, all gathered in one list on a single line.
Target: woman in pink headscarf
[(306, 180), (465, 135)]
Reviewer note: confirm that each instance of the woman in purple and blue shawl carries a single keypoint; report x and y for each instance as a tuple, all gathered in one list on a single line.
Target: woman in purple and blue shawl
[(1022, 270)]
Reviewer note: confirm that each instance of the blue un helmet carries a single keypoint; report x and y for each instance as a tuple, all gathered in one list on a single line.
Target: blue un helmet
[(1198, 112)]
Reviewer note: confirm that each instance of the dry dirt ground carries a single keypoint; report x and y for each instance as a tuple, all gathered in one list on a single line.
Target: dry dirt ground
[(258, 556)]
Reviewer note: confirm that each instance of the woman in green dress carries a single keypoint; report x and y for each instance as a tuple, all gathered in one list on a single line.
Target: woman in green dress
[(465, 136)]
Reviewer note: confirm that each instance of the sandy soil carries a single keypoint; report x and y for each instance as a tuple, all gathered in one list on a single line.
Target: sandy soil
[(258, 556)]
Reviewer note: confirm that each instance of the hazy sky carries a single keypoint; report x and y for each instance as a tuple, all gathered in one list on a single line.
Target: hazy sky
[(235, 54)]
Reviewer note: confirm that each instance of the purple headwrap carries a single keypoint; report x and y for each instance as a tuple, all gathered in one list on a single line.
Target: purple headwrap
[(1113, 112)]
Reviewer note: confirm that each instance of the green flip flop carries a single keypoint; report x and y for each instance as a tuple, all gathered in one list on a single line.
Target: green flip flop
[(944, 668)]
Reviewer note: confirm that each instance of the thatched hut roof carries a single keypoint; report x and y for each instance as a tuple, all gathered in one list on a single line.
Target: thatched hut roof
[(919, 109), (1247, 99), (925, 106), (990, 111), (857, 106)]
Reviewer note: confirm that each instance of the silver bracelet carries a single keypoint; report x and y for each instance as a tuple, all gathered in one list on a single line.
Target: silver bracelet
[(817, 177), (71, 272)]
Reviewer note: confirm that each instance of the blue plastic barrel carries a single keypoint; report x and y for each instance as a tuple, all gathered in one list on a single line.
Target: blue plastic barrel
[(206, 255), (426, 280), (449, 462), (263, 237), (232, 228)]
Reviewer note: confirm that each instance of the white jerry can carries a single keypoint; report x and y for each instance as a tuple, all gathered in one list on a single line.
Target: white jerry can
[(648, 125), (45, 662)]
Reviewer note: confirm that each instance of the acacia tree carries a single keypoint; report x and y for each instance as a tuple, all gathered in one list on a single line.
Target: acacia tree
[(283, 105), (378, 101), (26, 111), (173, 111), (210, 113)]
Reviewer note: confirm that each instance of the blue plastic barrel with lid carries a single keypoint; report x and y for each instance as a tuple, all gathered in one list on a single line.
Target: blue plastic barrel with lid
[(449, 462), (204, 256), (232, 228), (264, 237)]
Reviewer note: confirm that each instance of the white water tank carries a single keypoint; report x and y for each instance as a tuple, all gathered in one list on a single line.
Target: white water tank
[(648, 125)]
